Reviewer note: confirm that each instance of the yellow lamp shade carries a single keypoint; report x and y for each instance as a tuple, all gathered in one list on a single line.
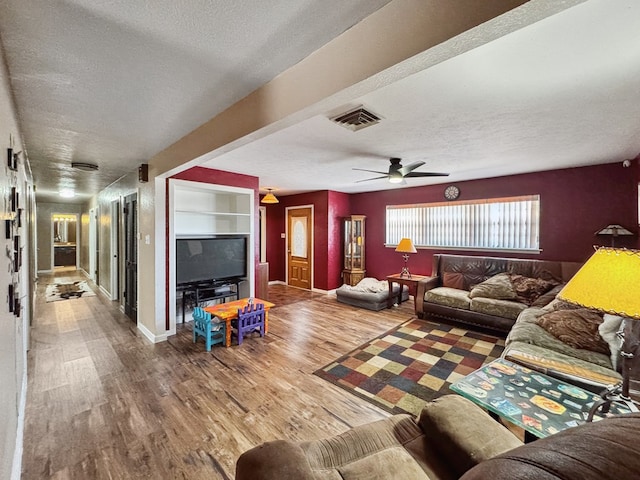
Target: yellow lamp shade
[(269, 198), (609, 282), (406, 246)]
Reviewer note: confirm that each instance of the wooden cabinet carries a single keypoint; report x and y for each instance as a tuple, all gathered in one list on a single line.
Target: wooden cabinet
[(354, 269)]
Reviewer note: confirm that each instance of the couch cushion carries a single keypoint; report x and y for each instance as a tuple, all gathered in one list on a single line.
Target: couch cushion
[(548, 297), (605, 450), (559, 365), (464, 436), (529, 289), (368, 448), (498, 287), (499, 308), (453, 280), (527, 330), (450, 297), (577, 328)]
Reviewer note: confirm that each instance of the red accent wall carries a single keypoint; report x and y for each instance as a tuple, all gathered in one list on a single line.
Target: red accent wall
[(574, 203), (339, 207), (220, 177), (329, 208)]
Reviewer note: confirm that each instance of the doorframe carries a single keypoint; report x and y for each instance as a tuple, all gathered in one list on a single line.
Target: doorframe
[(53, 261), (263, 233), (286, 243), (93, 247), (115, 249)]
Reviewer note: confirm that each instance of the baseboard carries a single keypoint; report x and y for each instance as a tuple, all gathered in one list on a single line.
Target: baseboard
[(105, 292), (45, 271), (16, 470), (276, 282), (150, 336)]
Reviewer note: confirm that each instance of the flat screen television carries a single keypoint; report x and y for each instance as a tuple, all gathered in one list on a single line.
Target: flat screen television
[(210, 259)]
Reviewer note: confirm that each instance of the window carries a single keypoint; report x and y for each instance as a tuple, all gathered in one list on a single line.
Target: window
[(493, 224)]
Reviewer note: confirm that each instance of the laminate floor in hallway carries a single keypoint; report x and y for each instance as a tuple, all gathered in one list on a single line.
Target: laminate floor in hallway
[(103, 402)]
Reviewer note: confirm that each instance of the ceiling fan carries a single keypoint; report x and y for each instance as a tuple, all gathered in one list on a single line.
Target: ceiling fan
[(397, 173)]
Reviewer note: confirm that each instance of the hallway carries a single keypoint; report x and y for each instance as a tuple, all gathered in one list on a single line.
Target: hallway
[(103, 402)]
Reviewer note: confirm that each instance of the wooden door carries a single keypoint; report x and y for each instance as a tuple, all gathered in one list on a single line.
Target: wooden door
[(299, 261), (131, 257)]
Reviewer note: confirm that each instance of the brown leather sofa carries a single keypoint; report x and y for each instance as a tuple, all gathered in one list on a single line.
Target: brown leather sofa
[(452, 438), (466, 271)]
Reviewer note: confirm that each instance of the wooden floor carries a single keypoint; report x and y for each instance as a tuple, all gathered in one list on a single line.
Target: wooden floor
[(103, 402)]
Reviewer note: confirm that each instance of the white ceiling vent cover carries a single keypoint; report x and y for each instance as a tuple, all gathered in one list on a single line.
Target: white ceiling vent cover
[(356, 119)]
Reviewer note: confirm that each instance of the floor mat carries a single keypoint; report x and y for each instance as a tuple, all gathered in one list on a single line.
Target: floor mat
[(411, 364), (65, 291)]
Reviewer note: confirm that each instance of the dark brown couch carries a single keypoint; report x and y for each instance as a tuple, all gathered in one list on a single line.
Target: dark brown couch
[(466, 271), (452, 438)]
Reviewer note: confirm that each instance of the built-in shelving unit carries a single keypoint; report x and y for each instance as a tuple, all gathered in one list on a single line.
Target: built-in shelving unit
[(205, 211), (208, 210)]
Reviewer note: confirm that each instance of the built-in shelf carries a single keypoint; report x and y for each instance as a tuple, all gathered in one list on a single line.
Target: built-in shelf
[(207, 210)]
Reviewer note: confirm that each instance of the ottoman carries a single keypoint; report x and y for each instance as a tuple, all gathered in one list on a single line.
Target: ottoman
[(370, 293)]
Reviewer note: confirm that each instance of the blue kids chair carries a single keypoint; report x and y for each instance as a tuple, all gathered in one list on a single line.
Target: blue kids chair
[(213, 332)]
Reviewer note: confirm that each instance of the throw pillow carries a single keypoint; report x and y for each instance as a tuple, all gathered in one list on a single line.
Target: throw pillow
[(608, 330), (498, 287), (547, 298), (529, 289), (453, 280), (577, 328)]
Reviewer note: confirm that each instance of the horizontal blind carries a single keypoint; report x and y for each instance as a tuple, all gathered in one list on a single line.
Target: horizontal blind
[(503, 223)]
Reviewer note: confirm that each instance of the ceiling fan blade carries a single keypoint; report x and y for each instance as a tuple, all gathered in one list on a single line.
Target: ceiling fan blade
[(370, 171), (426, 174), (412, 166), (369, 179)]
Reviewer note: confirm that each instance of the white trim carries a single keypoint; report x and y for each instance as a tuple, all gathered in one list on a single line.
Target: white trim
[(45, 271), (93, 234), (113, 249), (263, 233), (150, 336), (105, 292), (286, 242)]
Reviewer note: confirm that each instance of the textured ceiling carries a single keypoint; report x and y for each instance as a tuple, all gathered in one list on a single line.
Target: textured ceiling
[(115, 82), (562, 92)]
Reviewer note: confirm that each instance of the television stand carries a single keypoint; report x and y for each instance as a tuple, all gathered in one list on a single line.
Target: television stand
[(207, 291)]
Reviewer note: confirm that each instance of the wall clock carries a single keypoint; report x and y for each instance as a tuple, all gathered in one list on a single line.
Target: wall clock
[(451, 192)]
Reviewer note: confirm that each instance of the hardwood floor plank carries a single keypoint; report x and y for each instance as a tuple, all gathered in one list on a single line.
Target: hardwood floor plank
[(105, 403)]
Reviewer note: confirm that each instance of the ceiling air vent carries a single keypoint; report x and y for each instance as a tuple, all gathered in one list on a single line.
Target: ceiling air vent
[(356, 119)]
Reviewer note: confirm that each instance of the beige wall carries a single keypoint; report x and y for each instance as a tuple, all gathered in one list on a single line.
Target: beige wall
[(13, 329)]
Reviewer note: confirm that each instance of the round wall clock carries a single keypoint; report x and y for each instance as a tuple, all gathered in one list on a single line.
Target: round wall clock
[(451, 192)]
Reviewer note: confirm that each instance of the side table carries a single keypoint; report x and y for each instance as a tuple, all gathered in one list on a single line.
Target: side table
[(411, 282)]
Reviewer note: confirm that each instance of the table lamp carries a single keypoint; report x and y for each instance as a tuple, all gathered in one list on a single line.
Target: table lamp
[(405, 246), (610, 282)]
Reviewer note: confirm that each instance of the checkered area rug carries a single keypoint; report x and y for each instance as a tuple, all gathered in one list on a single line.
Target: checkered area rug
[(411, 364)]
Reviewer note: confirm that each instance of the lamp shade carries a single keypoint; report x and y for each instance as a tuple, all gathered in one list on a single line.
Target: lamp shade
[(614, 229), (269, 198), (406, 246), (608, 282)]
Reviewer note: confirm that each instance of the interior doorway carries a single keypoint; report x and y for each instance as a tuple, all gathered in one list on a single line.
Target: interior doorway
[(300, 247), (130, 221), (64, 230), (115, 250), (93, 244)]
